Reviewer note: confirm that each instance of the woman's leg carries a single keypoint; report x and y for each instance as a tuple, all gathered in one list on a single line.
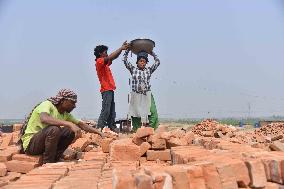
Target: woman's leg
[(136, 123), (153, 118)]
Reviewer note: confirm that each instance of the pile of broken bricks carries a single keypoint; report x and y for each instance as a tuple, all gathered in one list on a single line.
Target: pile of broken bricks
[(148, 159)]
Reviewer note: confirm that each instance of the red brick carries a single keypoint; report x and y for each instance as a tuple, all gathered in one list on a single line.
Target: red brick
[(241, 173), (195, 176), (277, 146), (29, 158), (7, 140), (173, 142), (124, 150), (256, 173), (164, 155), (138, 141), (161, 129), (227, 176), (189, 137), (80, 144), (143, 181), (3, 170), (3, 183), (160, 177), (99, 156), (123, 180), (144, 132), (16, 137), (5, 155), (179, 176), (20, 166), (11, 176), (211, 176), (144, 147), (158, 143), (48, 171), (105, 144)]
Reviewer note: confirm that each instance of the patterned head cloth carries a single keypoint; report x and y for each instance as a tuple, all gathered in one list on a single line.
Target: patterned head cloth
[(63, 94)]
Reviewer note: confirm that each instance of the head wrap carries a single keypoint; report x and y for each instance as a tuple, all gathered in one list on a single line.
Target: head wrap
[(63, 94), (142, 54)]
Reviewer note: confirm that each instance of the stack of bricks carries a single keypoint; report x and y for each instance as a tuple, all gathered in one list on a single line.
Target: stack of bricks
[(151, 159)]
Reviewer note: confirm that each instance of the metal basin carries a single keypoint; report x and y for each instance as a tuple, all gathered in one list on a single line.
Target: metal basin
[(138, 45)]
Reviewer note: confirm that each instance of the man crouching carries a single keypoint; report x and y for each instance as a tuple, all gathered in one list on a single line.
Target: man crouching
[(50, 128)]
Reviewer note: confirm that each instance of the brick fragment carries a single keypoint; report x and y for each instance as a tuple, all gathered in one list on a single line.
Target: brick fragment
[(7, 140), (20, 166), (277, 146), (29, 158), (105, 144), (144, 132), (164, 155), (124, 150), (3, 170), (80, 144), (144, 147), (256, 173)]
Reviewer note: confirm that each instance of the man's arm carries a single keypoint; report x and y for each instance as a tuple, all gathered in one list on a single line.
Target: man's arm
[(89, 129), (47, 119), (116, 53)]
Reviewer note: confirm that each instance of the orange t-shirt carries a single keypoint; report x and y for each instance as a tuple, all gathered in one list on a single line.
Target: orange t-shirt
[(105, 75)]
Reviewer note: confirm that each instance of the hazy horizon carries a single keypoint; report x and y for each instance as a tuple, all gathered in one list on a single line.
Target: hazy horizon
[(218, 58)]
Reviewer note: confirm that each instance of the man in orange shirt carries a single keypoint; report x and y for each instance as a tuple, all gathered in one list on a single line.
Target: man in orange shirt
[(103, 62)]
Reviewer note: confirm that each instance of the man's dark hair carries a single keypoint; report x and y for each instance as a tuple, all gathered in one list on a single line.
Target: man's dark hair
[(99, 49)]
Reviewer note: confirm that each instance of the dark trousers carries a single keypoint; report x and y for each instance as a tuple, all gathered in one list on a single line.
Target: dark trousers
[(51, 141), (107, 116)]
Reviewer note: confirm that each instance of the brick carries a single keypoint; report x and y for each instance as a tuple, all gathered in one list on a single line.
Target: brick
[(123, 180), (173, 142), (144, 132), (5, 155), (227, 176), (16, 137), (241, 173), (3, 183), (161, 129), (271, 185), (277, 146), (189, 137), (48, 171), (256, 173), (158, 143), (164, 155), (124, 150), (143, 181), (29, 158), (138, 141), (80, 144), (17, 127), (11, 176), (160, 177), (92, 156), (20, 166), (3, 170), (7, 140), (179, 176), (144, 147), (195, 176), (105, 184), (211, 176), (105, 144)]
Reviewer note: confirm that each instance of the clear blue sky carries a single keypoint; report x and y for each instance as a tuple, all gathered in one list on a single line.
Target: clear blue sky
[(218, 58)]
